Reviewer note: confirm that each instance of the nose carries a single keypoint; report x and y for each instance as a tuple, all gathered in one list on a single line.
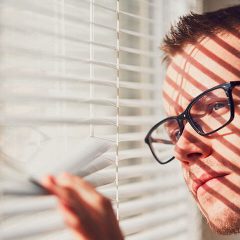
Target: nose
[(191, 146)]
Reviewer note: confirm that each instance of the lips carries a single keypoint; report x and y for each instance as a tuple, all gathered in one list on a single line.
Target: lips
[(204, 178)]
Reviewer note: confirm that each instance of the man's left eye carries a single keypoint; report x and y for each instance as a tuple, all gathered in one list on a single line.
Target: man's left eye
[(219, 105)]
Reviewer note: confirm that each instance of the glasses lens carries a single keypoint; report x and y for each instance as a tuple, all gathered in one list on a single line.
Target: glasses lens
[(211, 111), (163, 139)]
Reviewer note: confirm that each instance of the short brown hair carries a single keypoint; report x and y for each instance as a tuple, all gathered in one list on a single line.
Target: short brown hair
[(192, 27)]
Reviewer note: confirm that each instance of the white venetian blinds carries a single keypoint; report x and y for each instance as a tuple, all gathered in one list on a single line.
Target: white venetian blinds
[(152, 198), (72, 69)]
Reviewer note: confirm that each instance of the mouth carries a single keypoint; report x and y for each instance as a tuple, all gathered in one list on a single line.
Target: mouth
[(197, 183)]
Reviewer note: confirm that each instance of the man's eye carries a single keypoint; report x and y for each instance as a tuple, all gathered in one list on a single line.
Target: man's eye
[(219, 105), (175, 135)]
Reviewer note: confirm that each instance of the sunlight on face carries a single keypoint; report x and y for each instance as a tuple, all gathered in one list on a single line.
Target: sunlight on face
[(211, 164)]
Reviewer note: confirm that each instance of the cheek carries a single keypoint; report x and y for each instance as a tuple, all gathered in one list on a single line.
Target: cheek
[(226, 144), (185, 174), (233, 138)]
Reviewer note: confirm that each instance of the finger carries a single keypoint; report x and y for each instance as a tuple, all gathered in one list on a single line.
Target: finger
[(82, 223), (70, 216), (85, 191), (65, 194), (49, 183), (73, 221), (69, 200), (67, 179)]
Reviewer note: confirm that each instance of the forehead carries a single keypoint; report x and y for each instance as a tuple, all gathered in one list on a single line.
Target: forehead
[(209, 62)]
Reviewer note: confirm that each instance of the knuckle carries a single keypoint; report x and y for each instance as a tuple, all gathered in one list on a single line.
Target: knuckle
[(65, 180), (70, 195), (74, 223), (103, 201)]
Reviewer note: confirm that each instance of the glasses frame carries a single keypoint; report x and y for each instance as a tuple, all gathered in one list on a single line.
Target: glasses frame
[(185, 115)]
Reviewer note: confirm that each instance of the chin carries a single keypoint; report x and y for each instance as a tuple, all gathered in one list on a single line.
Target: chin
[(224, 221)]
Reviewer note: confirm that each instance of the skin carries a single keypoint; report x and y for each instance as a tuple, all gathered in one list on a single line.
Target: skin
[(88, 214), (200, 66)]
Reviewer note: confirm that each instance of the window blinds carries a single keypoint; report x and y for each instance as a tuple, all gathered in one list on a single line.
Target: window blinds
[(72, 69)]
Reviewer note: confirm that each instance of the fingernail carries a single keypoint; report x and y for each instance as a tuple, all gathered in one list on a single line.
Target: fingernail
[(49, 180)]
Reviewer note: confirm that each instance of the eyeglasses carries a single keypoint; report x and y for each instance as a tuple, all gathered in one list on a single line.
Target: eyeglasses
[(207, 113)]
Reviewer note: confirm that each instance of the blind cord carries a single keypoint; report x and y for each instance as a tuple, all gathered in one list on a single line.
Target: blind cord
[(91, 65), (117, 120)]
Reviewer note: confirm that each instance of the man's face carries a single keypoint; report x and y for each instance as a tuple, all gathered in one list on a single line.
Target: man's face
[(211, 164)]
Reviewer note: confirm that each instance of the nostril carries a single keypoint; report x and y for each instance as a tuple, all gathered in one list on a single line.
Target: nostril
[(185, 163), (194, 156)]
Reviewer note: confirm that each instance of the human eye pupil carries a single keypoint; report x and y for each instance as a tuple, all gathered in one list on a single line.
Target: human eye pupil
[(175, 135), (219, 105)]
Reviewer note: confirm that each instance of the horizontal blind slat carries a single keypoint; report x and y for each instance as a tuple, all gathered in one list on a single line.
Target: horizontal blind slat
[(75, 20), (138, 17), (143, 205), (26, 205), (155, 218), (30, 228), (7, 119), (47, 76), (51, 97), (129, 136), (71, 39), (101, 179), (142, 188), (171, 231), (8, 49)]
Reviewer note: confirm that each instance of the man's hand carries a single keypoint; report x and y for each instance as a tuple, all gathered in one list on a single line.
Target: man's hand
[(89, 215)]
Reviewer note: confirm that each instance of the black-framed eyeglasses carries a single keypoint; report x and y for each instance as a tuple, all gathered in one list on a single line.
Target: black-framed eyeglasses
[(207, 113)]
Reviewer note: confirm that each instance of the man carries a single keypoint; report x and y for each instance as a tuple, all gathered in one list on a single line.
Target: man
[(202, 101)]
